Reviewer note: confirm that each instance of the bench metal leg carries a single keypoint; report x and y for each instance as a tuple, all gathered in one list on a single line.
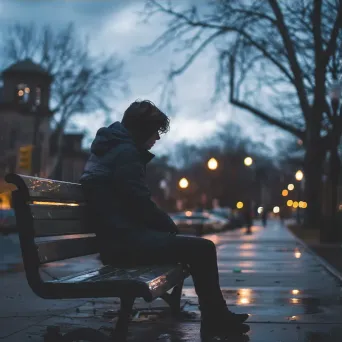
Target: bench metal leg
[(126, 306), (174, 299)]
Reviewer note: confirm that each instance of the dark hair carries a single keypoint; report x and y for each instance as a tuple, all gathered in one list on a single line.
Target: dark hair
[(143, 118)]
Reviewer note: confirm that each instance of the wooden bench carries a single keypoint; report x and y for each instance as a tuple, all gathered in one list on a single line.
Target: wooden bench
[(50, 218)]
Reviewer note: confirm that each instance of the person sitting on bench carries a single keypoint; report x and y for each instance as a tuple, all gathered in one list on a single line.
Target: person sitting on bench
[(131, 230)]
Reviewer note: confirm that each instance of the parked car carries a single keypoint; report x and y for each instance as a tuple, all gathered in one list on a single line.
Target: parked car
[(226, 214), (198, 222)]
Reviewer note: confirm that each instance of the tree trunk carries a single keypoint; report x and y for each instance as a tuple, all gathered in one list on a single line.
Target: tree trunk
[(313, 171)]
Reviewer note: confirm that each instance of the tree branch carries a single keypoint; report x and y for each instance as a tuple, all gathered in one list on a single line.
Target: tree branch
[(193, 56), (297, 72), (331, 46), (222, 29), (258, 113)]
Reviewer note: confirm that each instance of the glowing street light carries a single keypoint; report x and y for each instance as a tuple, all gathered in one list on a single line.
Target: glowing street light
[(299, 175), (239, 205), (290, 187), (183, 183), (284, 193), (276, 210), (289, 203), (248, 161), (303, 205), (212, 164)]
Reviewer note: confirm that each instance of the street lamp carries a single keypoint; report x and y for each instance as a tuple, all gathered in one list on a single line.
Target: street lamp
[(212, 164), (289, 203), (290, 187), (284, 193), (299, 175), (276, 210), (239, 205), (248, 161), (183, 183)]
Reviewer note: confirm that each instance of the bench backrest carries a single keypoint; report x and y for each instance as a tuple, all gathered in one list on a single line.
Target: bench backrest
[(51, 220)]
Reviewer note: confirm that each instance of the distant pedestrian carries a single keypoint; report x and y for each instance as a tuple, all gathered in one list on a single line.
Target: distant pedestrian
[(248, 217), (264, 216)]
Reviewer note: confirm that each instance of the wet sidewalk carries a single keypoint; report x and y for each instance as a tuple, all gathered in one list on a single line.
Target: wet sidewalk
[(289, 293)]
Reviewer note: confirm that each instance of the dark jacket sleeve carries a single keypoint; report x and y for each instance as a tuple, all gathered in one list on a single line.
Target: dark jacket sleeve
[(129, 180)]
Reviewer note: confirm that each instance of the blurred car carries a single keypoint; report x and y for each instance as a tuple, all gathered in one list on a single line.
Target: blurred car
[(233, 217), (226, 214), (198, 222)]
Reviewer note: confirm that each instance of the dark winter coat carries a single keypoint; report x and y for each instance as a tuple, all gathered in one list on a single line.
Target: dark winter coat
[(118, 197)]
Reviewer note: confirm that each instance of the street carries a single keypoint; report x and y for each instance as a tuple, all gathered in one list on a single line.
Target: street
[(269, 274)]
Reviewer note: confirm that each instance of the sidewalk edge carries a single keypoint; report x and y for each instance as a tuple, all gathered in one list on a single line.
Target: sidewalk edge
[(337, 274)]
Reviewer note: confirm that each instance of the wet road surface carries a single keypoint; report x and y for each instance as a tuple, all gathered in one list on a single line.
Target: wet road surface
[(289, 294)]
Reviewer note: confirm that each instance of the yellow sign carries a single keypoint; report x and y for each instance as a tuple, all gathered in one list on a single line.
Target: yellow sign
[(25, 157)]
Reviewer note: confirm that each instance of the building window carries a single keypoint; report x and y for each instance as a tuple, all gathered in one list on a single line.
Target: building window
[(23, 93)]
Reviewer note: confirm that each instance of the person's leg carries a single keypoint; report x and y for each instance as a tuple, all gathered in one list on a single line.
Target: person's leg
[(154, 247), (198, 253)]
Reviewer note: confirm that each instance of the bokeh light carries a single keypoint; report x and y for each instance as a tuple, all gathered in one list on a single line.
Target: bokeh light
[(290, 187), (212, 164), (248, 161), (183, 183), (239, 205)]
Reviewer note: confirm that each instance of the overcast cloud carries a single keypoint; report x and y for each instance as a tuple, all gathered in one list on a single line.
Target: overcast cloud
[(115, 26)]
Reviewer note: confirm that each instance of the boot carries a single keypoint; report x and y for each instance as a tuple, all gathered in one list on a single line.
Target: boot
[(222, 310), (219, 322)]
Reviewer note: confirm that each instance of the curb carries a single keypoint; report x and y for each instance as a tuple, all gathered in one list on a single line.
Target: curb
[(331, 269)]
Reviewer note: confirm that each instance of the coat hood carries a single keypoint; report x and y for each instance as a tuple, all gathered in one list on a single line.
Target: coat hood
[(109, 137)]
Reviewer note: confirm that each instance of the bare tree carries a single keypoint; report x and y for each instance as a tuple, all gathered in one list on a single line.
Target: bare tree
[(276, 60), (82, 80)]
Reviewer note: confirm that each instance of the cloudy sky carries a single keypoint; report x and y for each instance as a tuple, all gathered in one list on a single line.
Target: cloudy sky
[(115, 26)]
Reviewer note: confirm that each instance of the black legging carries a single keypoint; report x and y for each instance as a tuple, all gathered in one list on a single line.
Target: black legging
[(161, 248)]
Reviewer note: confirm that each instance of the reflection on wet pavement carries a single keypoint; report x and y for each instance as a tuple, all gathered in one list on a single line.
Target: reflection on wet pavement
[(289, 295)]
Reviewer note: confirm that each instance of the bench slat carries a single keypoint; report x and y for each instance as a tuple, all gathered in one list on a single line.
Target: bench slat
[(56, 212), (64, 249), (149, 282), (48, 189), (59, 227)]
